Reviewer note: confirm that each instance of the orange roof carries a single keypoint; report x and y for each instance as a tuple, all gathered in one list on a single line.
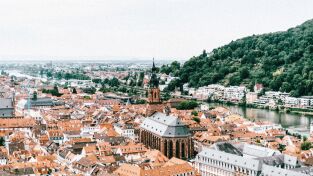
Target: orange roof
[(17, 123)]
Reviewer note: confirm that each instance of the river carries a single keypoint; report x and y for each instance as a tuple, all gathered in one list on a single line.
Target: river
[(18, 73), (294, 122)]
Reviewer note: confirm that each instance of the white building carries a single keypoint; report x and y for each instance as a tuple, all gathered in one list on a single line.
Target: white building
[(225, 159), (126, 130), (251, 97), (35, 114), (263, 127), (305, 102), (291, 101), (3, 159), (234, 93)]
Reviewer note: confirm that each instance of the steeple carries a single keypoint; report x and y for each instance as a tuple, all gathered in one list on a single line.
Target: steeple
[(153, 67), (154, 81), (154, 91)]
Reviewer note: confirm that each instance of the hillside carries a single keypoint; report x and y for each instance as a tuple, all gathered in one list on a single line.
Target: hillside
[(281, 61)]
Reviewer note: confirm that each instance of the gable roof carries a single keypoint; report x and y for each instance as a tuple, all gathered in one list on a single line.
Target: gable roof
[(165, 125), (6, 103)]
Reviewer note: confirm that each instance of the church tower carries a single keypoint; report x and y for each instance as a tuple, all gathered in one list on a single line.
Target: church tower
[(154, 90), (154, 99)]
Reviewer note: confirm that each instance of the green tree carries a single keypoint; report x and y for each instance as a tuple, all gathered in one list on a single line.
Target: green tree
[(194, 113), (74, 91), (281, 147), (34, 95), (306, 145), (2, 141), (196, 119), (114, 82), (185, 105), (280, 61), (244, 73), (166, 96)]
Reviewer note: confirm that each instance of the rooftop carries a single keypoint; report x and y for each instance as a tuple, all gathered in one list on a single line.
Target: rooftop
[(165, 125)]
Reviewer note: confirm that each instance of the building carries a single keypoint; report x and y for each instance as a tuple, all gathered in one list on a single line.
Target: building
[(173, 167), (154, 98), (258, 88), (167, 134), (234, 93), (291, 101), (126, 130), (251, 97), (6, 108), (245, 159), (39, 103)]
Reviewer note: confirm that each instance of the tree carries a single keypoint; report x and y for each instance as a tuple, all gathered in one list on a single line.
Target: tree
[(114, 82), (49, 74), (281, 61), (194, 113), (2, 141), (166, 96), (34, 95), (305, 138), (306, 145), (281, 147), (74, 91), (89, 90), (185, 105), (140, 101), (244, 73), (97, 80), (196, 119)]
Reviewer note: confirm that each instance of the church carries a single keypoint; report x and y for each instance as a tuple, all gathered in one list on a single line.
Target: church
[(162, 131), (154, 99)]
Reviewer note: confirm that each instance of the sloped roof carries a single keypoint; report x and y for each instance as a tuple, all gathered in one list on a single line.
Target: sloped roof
[(6, 103), (165, 125)]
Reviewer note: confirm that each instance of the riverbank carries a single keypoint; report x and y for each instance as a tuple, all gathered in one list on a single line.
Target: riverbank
[(294, 120), (280, 108)]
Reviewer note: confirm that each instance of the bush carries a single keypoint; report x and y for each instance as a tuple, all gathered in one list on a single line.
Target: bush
[(196, 119), (185, 105), (194, 113), (306, 145)]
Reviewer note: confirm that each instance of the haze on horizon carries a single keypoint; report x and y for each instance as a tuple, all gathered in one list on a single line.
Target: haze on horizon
[(108, 29)]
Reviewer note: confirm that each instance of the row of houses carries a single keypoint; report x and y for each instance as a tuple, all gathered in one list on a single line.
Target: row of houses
[(219, 92), (241, 93), (275, 98)]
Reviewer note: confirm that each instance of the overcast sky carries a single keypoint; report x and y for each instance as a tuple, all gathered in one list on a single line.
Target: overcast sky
[(176, 29)]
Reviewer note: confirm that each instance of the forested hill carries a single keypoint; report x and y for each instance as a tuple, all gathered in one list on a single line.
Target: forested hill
[(281, 61)]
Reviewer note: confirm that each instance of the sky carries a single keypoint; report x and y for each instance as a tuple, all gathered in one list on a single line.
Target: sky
[(129, 29)]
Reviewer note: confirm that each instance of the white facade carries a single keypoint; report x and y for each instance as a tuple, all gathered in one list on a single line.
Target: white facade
[(263, 128), (251, 97), (126, 132), (89, 129), (291, 101), (304, 102), (251, 160), (234, 93)]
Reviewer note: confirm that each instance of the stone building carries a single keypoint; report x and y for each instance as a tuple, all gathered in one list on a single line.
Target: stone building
[(154, 99), (167, 134)]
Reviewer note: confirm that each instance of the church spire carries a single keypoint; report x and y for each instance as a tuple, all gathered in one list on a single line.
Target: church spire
[(154, 81), (154, 69)]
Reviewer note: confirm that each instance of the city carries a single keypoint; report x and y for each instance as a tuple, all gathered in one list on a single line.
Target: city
[(151, 88)]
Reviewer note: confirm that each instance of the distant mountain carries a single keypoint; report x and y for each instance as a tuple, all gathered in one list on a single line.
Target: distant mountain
[(281, 61)]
